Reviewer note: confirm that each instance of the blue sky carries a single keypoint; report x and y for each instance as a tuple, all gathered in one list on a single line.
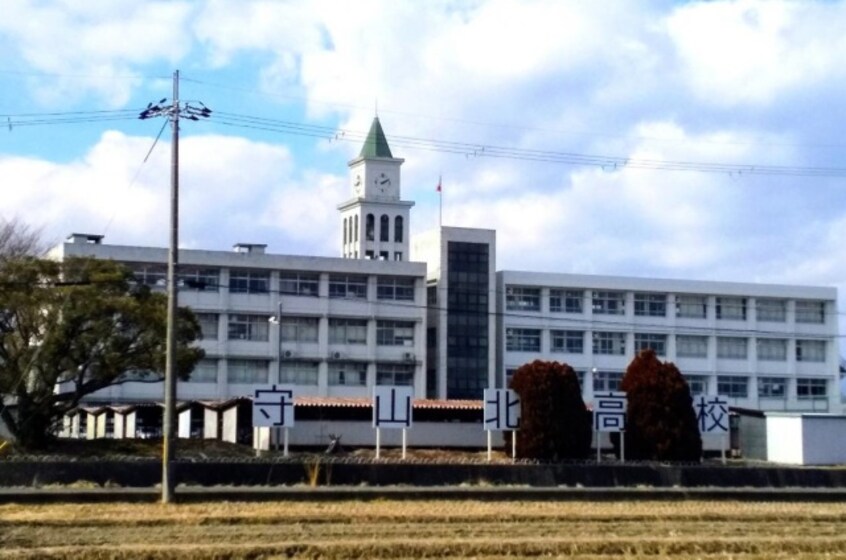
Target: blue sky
[(740, 86)]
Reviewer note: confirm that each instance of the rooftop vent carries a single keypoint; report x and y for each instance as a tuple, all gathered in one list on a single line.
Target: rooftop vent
[(83, 238), (250, 248)]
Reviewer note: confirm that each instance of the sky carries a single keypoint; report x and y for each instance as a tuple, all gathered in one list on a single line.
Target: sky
[(712, 131)]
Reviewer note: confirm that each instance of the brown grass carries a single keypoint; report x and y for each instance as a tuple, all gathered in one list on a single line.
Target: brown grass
[(425, 529)]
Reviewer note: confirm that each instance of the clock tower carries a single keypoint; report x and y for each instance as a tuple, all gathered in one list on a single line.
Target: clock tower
[(375, 222)]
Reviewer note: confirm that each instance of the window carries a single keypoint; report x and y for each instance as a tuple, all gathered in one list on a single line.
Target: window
[(395, 333), (731, 347), (733, 386), (808, 311), (810, 350), (208, 325), (698, 384), (691, 307), (299, 283), (568, 301), (731, 308), (347, 286), (522, 340), (355, 229), (345, 230), (248, 327), (613, 343), (771, 310), (204, 372), (199, 279), (650, 305), (397, 288), (772, 349), (657, 342), (609, 303), (772, 387), (522, 299), (348, 373), (249, 281), (347, 331), (246, 371), (153, 275), (571, 342), (298, 329), (370, 228), (398, 229), (394, 374), (607, 380), (691, 346), (298, 373), (811, 388), (384, 226)]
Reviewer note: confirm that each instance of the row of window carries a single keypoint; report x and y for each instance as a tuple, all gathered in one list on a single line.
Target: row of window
[(303, 372), (688, 346), (290, 283), (255, 327), (351, 228), (523, 298), (734, 386)]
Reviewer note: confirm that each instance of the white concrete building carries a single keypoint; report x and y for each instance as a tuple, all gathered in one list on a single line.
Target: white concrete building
[(451, 326), (767, 347), (331, 326)]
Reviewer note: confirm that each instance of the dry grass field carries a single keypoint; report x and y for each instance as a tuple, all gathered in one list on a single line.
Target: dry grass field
[(425, 529)]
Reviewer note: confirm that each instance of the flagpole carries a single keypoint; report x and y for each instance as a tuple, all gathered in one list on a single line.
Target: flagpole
[(440, 204)]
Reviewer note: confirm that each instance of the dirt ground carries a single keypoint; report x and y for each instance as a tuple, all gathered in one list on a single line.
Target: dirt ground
[(425, 529), (212, 449)]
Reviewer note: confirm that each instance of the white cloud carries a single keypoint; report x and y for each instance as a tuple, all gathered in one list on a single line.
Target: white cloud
[(231, 190), (750, 51), (73, 48)]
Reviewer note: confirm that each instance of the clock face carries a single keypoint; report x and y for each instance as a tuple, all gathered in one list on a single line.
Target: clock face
[(358, 184), (383, 183)]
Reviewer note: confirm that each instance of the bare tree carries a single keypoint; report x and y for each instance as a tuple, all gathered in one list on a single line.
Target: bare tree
[(18, 239)]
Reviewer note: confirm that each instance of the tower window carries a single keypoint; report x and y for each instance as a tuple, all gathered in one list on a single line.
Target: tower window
[(384, 226), (345, 231), (370, 228), (398, 229), (355, 227)]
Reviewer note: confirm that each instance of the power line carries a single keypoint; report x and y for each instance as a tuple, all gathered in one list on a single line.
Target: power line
[(467, 149)]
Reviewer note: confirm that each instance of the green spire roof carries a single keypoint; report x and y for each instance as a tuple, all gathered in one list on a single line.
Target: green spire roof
[(375, 145)]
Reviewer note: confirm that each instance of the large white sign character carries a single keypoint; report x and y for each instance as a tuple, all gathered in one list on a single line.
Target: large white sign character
[(502, 409), (273, 407), (392, 406), (609, 411), (712, 414)]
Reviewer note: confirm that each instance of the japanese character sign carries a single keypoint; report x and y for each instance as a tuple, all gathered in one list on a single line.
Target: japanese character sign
[(273, 406), (392, 406), (502, 409), (609, 411), (712, 414)]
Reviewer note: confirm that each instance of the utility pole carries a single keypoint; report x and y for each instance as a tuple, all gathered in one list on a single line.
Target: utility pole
[(172, 112)]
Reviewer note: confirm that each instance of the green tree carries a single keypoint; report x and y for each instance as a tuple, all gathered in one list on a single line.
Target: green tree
[(554, 422), (70, 328), (661, 423)]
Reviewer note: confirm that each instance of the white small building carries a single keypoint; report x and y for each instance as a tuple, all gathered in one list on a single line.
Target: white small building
[(793, 438)]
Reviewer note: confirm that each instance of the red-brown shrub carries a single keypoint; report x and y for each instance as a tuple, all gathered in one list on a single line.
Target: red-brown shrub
[(555, 423), (661, 423)]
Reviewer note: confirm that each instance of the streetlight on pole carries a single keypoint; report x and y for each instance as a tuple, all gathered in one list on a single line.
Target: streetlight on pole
[(172, 112)]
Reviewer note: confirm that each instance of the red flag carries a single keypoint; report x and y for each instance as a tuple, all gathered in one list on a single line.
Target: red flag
[(438, 188)]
